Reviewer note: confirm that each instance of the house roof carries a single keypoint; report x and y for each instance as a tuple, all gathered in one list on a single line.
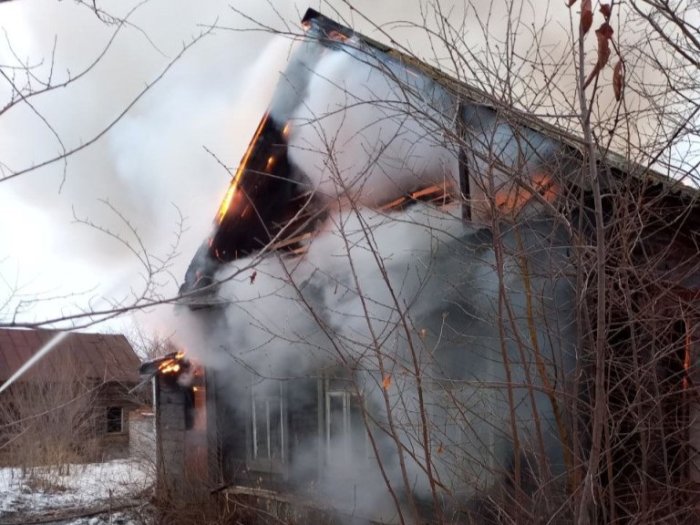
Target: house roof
[(477, 96), (106, 357)]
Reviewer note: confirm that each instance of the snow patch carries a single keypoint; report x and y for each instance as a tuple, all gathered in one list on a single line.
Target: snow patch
[(85, 486)]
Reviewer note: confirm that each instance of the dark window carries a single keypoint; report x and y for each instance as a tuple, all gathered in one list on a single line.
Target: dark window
[(463, 167), (115, 421)]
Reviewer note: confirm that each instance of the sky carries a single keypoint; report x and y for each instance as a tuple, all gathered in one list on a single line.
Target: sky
[(161, 162)]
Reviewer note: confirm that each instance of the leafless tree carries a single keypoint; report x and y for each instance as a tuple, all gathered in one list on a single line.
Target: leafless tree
[(50, 424), (26, 84)]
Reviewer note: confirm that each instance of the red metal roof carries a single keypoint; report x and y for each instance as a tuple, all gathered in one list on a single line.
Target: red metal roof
[(104, 357)]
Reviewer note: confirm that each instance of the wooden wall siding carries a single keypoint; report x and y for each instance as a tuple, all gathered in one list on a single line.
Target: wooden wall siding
[(114, 446), (196, 455), (142, 435), (170, 429), (693, 347), (181, 452), (303, 417), (114, 394), (226, 431)]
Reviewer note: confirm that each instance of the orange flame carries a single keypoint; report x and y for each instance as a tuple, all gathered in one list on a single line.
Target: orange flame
[(231, 192), (515, 197), (386, 382), (337, 35), (172, 365)]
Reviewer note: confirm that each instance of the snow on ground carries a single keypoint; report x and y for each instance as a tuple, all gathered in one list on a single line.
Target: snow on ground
[(84, 486), (116, 518)]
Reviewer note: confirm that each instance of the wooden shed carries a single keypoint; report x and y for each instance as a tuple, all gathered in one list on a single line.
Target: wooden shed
[(71, 405)]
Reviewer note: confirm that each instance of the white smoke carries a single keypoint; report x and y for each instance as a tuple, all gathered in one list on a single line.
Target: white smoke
[(290, 319), (272, 302), (152, 160), (368, 135), (387, 297)]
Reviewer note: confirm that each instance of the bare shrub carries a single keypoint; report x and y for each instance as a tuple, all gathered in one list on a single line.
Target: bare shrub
[(49, 424)]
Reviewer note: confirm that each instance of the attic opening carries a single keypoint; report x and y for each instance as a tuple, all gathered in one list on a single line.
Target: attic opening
[(267, 204)]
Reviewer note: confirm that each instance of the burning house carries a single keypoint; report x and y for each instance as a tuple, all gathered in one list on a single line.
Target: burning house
[(384, 316)]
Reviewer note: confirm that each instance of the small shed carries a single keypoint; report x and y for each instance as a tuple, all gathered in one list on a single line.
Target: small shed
[(73, 404)]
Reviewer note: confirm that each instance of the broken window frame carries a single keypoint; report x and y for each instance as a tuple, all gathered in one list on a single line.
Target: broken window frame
[(350, 429), (274, 399)]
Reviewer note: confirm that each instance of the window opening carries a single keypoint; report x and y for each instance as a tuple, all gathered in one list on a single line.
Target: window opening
[(345, 433), (115, 420), (267, 422)]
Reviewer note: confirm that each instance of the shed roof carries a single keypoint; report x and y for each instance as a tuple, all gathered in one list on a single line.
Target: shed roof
[(106, 357)]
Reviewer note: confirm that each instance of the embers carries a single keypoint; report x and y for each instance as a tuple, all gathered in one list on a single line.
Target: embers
[(438, 195)]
